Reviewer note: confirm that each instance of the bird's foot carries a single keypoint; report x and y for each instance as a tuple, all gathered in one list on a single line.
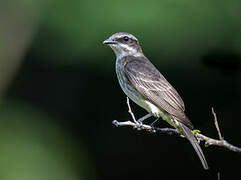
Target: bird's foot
[(138, 125), (153, 129), (153, 123), (139, 122)]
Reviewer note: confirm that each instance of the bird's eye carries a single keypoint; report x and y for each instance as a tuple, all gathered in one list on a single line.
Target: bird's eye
[(126, 38)]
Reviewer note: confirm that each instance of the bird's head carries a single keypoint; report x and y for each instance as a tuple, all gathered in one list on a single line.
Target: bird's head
[(124, 44)]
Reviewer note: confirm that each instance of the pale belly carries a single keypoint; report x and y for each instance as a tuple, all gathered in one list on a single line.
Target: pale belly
[(131, 92)]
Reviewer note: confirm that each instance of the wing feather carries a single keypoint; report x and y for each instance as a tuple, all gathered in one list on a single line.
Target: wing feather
[(143, 75)]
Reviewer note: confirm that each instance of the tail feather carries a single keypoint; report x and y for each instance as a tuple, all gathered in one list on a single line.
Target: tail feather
[(190, 136)]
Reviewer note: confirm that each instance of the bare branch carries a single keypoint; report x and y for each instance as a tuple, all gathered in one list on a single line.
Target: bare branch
[(171, 131), (138, 126), (130, 111), (215, 142), (216, 124)]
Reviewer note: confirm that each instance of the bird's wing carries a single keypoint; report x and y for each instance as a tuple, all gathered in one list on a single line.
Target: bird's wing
[(143, 75)]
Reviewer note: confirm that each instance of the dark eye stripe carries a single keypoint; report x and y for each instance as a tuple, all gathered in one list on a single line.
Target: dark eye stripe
[(123, 39)]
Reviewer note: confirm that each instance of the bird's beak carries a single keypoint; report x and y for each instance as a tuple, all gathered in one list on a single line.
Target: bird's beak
[(109, 41)]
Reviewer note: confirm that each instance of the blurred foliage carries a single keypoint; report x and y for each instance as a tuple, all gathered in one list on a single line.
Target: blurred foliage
[(34, 148), (19, 20), (63, 90), (72, 31)]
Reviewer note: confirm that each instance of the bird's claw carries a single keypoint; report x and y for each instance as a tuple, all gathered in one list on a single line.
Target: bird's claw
[(139, 126), (152, 130)]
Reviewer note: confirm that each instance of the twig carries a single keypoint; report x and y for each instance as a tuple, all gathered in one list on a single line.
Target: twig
[(221, 143), (171, 131), (130, 111), (216, 124)]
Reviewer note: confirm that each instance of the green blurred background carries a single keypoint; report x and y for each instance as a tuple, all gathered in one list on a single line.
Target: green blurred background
[(59, 92)]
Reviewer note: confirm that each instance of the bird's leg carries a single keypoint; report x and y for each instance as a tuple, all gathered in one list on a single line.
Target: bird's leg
[(140, 120), (152, 124)]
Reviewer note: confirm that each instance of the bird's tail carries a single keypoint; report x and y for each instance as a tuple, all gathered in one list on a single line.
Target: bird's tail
[(190, 136)]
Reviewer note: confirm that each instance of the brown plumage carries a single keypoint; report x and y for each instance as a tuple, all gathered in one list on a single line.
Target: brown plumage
[(154, 87), (146, 86)]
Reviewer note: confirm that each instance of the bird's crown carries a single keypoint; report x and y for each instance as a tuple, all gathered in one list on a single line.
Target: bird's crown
[(124, 44)]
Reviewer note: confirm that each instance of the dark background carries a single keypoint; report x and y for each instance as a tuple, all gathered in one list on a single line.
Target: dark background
[(59, 92)]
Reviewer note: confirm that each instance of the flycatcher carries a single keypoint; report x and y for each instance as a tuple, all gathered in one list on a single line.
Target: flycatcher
[(147, 87)]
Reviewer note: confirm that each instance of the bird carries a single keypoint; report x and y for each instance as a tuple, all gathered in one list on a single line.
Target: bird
[(147, 87)]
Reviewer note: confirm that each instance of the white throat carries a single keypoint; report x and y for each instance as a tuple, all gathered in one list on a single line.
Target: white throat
[(125, 50)]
